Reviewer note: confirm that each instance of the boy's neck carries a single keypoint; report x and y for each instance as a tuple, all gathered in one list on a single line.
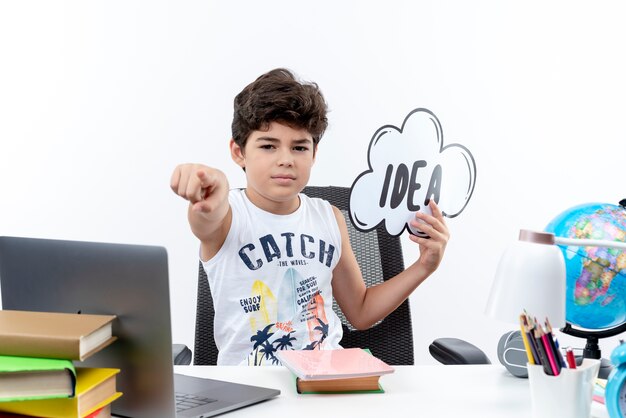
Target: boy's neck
[(274, 207)]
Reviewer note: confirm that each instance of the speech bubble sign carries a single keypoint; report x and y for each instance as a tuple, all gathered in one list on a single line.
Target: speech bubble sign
[(408, 166)]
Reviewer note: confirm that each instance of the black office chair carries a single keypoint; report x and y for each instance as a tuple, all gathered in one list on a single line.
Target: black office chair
[(380, 258)]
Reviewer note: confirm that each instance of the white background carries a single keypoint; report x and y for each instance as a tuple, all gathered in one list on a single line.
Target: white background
[(100, 100)]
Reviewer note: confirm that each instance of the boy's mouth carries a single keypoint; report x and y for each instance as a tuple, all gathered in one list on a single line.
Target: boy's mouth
[(283, 179)]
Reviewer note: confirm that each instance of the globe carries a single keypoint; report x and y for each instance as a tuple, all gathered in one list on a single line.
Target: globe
[(596, 276)]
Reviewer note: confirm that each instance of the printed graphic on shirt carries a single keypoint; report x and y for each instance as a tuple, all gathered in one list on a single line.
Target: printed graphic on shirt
[(271, 248), (266, 306), (317, 323), (296, 318)]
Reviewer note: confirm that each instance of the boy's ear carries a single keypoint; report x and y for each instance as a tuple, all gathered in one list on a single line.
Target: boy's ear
[(314, 152), (236, 154)]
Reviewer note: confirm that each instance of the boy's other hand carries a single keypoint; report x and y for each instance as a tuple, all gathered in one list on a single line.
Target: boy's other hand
[(433, 248), (204, 187)]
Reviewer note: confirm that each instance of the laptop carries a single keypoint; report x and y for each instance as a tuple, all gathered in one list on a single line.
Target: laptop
[(130, 281)]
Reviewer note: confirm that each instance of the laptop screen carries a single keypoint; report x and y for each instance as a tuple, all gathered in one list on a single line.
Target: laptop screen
[(130, 281)]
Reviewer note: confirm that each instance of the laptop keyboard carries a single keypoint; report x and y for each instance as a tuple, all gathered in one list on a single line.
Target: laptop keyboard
[(186, 401)]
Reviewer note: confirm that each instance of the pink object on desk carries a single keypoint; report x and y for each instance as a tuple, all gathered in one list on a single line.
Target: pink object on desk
[(333, 364), (548, 347)]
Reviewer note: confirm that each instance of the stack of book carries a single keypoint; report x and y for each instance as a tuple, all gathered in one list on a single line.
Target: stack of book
[(350, 370), (38, 377)]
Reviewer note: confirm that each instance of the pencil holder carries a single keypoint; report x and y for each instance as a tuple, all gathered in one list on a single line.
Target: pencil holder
[(567, 395)]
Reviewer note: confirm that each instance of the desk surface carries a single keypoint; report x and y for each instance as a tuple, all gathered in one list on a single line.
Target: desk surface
[(443, 391)]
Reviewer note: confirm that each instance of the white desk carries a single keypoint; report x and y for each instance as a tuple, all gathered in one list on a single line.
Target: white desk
[(418, 391)]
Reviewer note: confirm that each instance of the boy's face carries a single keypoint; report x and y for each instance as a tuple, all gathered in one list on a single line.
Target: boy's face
[(278, 164)]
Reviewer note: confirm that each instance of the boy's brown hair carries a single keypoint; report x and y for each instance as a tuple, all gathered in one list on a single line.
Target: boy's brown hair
[(277, 96)]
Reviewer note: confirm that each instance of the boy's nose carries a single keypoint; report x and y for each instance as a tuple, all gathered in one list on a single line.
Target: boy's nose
[(285, 159)]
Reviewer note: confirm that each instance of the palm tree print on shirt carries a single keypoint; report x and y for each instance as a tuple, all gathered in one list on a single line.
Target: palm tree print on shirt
[(265, 351), (261, 337)]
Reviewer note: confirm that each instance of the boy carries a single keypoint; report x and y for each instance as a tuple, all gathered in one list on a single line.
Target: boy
[(274, 257)]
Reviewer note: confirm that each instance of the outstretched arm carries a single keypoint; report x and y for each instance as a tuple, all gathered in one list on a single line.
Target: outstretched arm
[(364, 306), (209, 212)]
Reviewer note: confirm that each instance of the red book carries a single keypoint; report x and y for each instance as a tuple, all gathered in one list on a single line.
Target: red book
[(104, 412)]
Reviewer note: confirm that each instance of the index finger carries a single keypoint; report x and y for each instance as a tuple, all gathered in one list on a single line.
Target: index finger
[(206, 180), (435, 209)]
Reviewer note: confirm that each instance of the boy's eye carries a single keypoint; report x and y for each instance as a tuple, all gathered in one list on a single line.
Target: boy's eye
[(267, 146), (301, 148)]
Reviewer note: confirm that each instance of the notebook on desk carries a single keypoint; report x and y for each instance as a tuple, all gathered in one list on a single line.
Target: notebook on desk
[(130, 281)]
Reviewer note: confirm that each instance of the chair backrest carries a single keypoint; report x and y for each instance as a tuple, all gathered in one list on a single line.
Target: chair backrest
[(380, 257)]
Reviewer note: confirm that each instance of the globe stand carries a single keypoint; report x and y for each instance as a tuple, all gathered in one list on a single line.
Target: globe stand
[(592, 348)]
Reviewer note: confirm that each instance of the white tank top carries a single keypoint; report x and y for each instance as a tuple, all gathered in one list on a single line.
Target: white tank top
[(271, 282)]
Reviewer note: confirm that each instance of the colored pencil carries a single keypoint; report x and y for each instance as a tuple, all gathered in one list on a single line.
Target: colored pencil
[(555, 347), (545, 362), (529, 353), (533, 344), (556, 368)]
